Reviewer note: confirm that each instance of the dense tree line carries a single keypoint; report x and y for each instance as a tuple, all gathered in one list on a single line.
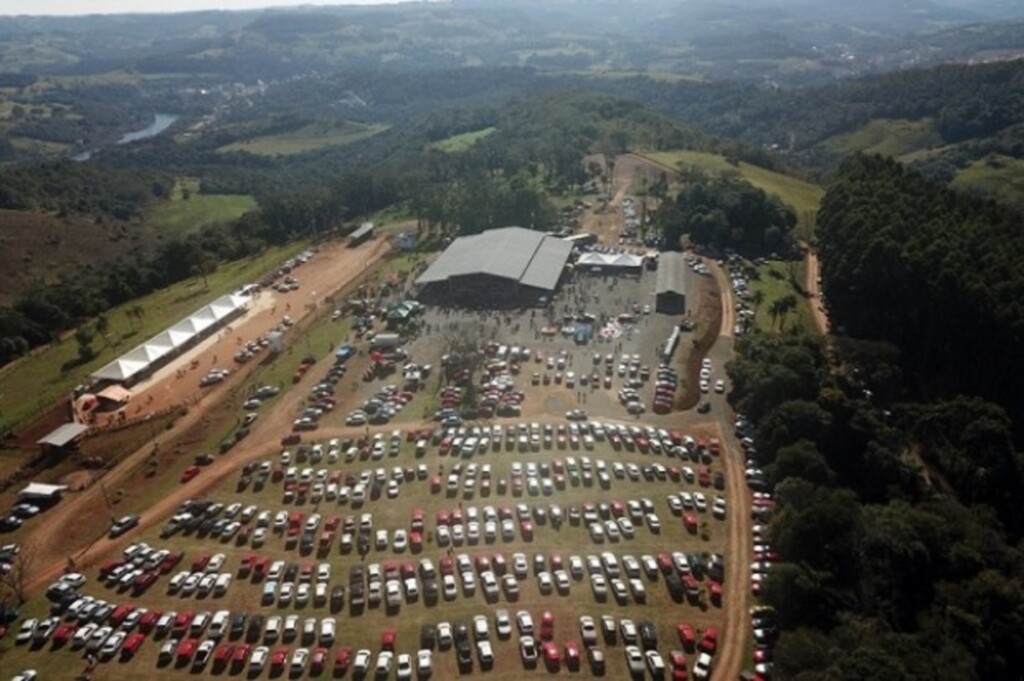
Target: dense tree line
[(884, 576), (936, 274), (727, 212), (66, 187)]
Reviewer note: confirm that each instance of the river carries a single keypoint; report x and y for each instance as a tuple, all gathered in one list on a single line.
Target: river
[(161, 122)]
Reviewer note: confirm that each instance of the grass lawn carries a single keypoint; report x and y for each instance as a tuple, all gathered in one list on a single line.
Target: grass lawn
[(36, 381), (888, 137), (461, 142), (774, 283), (180, 215), (1001, 177), (803, 197), (306, 138)]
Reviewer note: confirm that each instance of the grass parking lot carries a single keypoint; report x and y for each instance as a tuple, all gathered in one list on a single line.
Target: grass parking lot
[(363, 629)]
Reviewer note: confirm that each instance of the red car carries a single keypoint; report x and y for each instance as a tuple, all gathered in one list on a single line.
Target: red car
[(572, 656), (709, 644), (181, 622), (224, 652), (387, 639), (278, 658), (552, 657), (547, 625), (132, 644), (526, 529), (342, 660), (172, 559), (686, 636), (316, 665), (189, 473), (416, 541), (715, 589), (677, 661), (63, 633), (120, 612), (186, 649), (690, 521), (241, 655), (199, 564)]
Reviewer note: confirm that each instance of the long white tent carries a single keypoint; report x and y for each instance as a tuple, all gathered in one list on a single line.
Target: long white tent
[(197, 324)]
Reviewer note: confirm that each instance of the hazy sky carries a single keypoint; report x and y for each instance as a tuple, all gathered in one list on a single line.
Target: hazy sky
[(72, 7)]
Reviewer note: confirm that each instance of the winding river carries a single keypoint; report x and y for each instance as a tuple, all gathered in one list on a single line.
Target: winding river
[(161, 122)]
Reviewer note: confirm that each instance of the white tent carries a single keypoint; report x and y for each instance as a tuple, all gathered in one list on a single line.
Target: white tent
[(171, 340), (610, 260)]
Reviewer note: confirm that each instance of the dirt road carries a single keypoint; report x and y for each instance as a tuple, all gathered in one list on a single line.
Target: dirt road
[(630, 172), (813, 288), (51, 548), (728, 305)]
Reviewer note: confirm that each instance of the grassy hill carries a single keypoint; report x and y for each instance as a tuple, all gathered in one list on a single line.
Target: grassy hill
[(306, 138), (35, 381), (803, 197), (189, 211), (998, 176), (461, 142), (888, 137)]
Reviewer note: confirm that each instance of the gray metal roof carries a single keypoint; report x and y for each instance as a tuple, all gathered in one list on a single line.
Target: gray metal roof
[(523, 255), (364, 229), (64, 434), (673, 275)]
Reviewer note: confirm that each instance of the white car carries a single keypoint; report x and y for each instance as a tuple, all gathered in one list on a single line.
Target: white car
[(525, 623), (258, 660), (424, 662)]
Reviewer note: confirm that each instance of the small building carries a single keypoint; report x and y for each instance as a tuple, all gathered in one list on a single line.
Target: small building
[(364, 233), (63, 439), (672, 285), (40, 493)]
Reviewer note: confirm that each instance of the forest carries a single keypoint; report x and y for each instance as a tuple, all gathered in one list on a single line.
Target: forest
[(507, 178), (934, 273), (893, 454), (885, 574)]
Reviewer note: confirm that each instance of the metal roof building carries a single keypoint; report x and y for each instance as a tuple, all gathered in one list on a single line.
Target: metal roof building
[(505, 260), (672, 284)]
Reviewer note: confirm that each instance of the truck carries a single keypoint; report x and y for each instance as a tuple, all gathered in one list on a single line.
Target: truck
[(384, 341)]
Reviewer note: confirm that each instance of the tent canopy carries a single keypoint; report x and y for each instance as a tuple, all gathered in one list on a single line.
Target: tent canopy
[(115, 393), (38, 490)]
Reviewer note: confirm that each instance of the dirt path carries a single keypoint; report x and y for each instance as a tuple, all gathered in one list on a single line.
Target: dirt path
[(629, 169), (729, 661), (813, 288), (737, 617), (50, 549), (728, 306)]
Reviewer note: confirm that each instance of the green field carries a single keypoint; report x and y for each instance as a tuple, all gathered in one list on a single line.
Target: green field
[(461, 142), (36, 381), (888, 137), (306, 138), (774, 283), (998, 176), (803, 197), (180, 216)]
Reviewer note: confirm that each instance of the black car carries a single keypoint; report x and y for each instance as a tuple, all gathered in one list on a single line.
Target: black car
[(428, 636), (648, 635), (255, 630), (237, 625), (337, 598)]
